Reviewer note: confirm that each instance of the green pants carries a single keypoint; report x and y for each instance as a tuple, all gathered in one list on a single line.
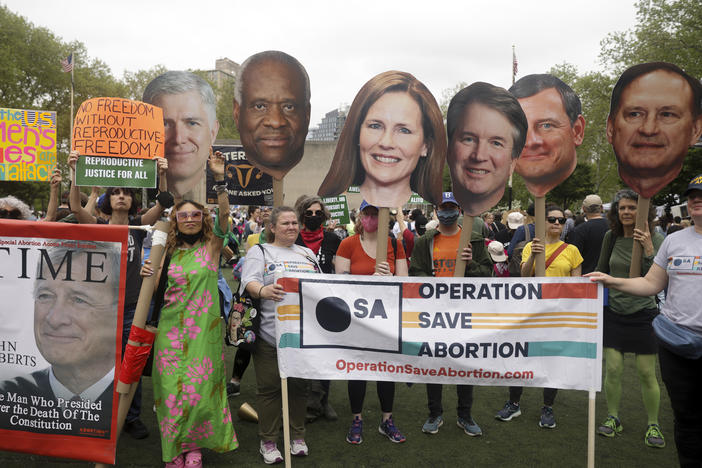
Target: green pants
[(269, 396)]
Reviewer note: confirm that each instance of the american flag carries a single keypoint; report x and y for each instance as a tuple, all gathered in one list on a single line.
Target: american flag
[(67, 63), (515, 66)]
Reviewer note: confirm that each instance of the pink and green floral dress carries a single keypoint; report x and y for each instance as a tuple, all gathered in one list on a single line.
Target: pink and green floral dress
[(188, 374)]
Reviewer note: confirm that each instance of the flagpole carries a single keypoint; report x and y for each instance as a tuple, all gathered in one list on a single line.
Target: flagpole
[(514, 76), (73, 57)]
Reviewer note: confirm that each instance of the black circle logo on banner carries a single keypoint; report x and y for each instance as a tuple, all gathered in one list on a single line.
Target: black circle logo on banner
[(333, 314)]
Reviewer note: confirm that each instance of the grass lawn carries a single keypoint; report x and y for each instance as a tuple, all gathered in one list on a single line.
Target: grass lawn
[(519, 443)]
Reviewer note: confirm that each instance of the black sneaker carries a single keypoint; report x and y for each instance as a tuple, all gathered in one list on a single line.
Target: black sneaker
[(548, 420), (233, 389), (136, 429)]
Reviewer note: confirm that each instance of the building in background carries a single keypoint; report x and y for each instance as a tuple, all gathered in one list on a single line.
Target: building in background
[(225, 69), (330, 127)]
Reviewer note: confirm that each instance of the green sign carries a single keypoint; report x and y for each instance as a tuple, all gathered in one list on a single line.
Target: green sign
[(415, 198), (100, 171), (338, 208)]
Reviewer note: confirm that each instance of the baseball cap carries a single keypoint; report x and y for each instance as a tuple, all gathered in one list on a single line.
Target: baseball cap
[(365, 204), (695, 184), (497, 251), (447, 197), (592, 200)]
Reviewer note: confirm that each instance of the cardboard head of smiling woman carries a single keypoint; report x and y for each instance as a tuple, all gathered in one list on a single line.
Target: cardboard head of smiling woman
[(346, 168)]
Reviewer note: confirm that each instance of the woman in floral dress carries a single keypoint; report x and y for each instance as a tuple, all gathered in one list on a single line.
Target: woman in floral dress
[(188, 375)]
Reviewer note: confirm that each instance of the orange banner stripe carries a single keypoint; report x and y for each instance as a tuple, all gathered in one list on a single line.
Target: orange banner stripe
[(291, 285), (411, 290), (569, 291)]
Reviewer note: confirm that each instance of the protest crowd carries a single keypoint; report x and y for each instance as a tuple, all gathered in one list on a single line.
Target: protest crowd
[(209, 246)]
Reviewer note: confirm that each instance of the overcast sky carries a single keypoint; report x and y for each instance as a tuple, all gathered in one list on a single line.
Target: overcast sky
[(342, 44)]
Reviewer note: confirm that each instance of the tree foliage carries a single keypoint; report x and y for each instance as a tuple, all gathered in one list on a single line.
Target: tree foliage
[(668, 31)]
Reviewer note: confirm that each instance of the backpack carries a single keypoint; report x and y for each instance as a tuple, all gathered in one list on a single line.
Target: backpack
[(515, 260)]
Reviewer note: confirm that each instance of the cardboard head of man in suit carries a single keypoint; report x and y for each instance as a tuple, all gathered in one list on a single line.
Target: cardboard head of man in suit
[(655, 116), (272, 111), (190, 124), (556, 128), (75, 313), (486, 133)]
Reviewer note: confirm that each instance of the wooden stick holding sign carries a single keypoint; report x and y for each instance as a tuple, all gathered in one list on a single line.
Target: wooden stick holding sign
[(463, 242), (642, 208), (127, 390), (278, 193), (381, 249), (540, 233)]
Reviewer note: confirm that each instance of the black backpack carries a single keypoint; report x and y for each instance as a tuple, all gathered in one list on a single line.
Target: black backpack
[(515, 260)]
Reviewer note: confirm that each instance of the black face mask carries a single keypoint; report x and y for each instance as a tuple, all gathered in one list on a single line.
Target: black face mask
[(191, 239), (313, 222)]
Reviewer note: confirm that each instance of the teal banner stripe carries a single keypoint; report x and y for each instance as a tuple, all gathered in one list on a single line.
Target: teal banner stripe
[(411, 348), (576, 349), (289, 340)]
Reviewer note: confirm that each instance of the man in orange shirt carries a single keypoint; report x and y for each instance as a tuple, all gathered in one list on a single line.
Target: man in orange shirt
[(434, 254)]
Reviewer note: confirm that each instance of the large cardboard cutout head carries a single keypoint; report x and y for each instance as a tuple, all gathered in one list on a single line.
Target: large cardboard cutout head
[(393, 142), (654, 118), (272, 111), (191, 126), (556, 128), (486, 133)]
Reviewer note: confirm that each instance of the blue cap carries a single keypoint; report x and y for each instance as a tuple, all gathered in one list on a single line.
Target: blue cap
[(100, 201), (365, 204), (447, 197), (695, 184)]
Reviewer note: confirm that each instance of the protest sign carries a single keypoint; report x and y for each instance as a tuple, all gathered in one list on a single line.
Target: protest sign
[(246, 184), (404, 112), (535, 332), (338, 209), (115, 172), (27, 144), (273, 85), (111, 128), (61, 338)]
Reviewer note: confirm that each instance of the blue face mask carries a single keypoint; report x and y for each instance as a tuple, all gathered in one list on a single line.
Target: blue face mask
[(448, 217)]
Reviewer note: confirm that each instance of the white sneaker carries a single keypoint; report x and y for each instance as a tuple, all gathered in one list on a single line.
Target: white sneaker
[(299, 448), (271, 454)]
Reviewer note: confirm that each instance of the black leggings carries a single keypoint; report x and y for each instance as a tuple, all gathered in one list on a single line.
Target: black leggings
[(515, 393), (357, 393), (241, 362)]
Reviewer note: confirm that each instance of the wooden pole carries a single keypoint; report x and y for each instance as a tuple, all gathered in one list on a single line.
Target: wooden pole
[(540, 232), (460, 270), (286, 421), (381, 249), (70, 142), (278, 194), (126, 391), (637, 249), (591, 429)]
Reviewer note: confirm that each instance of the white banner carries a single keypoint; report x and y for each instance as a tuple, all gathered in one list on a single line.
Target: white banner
[(534, 332)]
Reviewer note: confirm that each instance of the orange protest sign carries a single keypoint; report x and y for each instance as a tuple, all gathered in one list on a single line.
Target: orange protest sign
[(118, 127)]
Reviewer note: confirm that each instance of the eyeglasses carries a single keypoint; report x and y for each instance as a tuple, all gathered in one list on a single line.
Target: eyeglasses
[(553, 219), (195, 215), (10, 214), (311, 213)]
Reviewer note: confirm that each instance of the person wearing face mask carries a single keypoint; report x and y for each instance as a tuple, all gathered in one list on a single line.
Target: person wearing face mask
[(435, 255), (312, 214), (356, 256)]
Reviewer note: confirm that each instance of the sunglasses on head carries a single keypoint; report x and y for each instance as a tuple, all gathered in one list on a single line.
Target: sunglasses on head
[(313, 213), (10, 214), (195, 215), (553, 220)]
